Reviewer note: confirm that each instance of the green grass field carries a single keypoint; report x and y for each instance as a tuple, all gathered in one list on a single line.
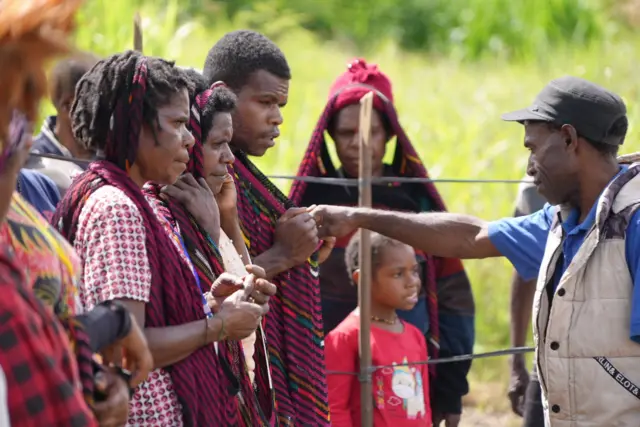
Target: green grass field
[(450, 109)]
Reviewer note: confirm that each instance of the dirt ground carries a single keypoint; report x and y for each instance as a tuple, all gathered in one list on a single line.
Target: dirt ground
[(474, 417), (488, 406)]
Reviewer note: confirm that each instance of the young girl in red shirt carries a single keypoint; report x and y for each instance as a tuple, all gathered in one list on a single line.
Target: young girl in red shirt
[(400, 393)]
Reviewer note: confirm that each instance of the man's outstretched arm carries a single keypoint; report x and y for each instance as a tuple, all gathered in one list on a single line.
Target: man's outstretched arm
[(440, 234)]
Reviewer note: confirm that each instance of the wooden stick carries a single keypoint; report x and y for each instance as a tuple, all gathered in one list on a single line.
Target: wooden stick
[(137, 33), (364, 285)]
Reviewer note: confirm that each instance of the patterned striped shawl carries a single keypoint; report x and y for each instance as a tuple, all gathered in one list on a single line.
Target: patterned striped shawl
[(294, 324)]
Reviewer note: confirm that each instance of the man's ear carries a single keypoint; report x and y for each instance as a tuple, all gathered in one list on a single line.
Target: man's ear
[(356, 276), (570, 136)]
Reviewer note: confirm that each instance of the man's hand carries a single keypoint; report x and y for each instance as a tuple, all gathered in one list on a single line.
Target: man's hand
[(114, 410), (296, 236), (336, 221), (518, 384), (198, 199), (450, 420), (131, 353)]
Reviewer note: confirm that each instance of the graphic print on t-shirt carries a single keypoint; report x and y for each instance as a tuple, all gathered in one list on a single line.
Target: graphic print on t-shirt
[(404, 392)]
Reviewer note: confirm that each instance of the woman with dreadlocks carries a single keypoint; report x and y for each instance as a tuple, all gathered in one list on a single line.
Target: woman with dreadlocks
[(133, 111), (445, 309), (210, 124)]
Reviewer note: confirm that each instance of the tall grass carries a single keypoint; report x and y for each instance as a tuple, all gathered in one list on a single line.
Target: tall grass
[(450, 109)]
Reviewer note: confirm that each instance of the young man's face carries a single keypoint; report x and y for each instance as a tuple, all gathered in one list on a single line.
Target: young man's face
[(257, 115), (344, 133)]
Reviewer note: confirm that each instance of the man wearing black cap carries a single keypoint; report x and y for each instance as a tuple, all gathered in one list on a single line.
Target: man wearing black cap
[(585, 252)]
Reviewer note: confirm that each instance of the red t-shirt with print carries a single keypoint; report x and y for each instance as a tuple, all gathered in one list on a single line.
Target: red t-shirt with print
[(400, 395)]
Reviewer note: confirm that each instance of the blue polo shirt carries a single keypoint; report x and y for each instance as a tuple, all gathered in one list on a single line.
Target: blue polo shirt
[(522, 241)]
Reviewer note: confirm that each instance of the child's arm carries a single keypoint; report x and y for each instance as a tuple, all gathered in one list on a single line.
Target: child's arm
[(341, 355)]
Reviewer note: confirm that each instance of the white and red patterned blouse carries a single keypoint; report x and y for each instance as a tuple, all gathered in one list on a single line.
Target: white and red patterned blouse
[(111, 242)]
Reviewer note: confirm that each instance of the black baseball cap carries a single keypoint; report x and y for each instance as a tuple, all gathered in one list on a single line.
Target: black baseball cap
[(589, 108)]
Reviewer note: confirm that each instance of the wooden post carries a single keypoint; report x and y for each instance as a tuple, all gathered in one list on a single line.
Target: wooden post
[(137, 33), (364, 285)]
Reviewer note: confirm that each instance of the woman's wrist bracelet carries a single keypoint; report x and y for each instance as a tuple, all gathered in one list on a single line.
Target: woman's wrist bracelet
[(206, 331)]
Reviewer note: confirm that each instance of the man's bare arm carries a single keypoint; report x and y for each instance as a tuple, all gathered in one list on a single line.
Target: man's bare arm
[(436, 233), (522, 293)]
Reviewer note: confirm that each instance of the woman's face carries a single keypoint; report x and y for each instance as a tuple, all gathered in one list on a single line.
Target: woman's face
[(163, 157), (345, 134), (216, 152)]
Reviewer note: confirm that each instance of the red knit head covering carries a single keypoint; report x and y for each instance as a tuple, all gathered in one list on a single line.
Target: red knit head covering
[(359, 79)]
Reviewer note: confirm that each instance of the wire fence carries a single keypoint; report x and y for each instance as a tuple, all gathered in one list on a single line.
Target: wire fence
[(350, 182), (353, 182), (465, 357)]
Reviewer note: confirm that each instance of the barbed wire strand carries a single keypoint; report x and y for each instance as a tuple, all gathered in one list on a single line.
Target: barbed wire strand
[(452, 359), (379, 180), (350, 182)]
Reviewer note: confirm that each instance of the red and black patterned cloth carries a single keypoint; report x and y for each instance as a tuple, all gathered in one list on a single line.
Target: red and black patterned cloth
[(39, 366), (294, 323)]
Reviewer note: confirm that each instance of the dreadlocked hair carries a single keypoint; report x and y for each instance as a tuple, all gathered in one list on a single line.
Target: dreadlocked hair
[(99, 90), (239, 54), (221, 100), (378, 243), (198, 84)]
